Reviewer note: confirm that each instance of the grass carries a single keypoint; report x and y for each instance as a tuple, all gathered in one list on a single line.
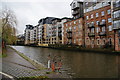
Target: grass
[(3, 53), (33, 78)]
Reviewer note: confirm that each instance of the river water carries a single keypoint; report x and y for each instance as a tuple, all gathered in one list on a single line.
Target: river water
[(77, 64)]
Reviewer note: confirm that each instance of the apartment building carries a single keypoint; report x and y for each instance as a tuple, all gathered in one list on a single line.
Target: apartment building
[(28, 34), (116, 23), (74, 32), (77, 9), (57, 29), (43, 30), (99, 32)]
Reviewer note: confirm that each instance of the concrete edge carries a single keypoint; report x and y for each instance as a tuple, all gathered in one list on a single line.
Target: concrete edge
[(35, 63)]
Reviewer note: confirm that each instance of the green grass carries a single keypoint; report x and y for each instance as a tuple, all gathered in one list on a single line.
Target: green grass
[(2, 55)]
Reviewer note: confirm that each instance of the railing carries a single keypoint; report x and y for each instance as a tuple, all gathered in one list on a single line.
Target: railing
[(102, 33), (69, 30), (91, 34), (91, 26), (103, 23), (116, 27)]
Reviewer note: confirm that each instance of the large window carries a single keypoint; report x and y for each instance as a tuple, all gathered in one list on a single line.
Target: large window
[(109, 20), (87, 17), (109, 11), (97, 15), (116, 14), (97, 29), (102, 13), (97, 22), (116, 24), (103, 29), (110, 28), (91, 15)]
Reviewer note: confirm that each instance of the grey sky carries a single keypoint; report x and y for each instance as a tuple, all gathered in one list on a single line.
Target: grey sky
[(30, 11)]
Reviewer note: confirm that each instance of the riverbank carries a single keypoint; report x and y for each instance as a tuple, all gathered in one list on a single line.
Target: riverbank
[(39, 68), (33, 62)]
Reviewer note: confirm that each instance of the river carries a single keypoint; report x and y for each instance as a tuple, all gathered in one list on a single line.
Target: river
[(77, 64)]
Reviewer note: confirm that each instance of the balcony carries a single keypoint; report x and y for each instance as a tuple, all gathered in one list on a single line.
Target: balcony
[(91, 34), (115, 27), (91, 26), (69, 31), (60, 35), (69, 36), (60, 26), (75, 12), (102, 23), (102, 33), (116, 6), (59, 31)]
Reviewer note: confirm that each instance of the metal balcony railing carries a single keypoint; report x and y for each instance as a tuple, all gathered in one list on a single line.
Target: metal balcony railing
[(91, 34), (102, 33)]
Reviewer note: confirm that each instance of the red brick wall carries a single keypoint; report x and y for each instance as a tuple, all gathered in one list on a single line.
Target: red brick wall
[(77, 33), (109, 34)]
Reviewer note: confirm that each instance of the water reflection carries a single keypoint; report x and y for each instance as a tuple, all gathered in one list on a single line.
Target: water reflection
[(82, 65)]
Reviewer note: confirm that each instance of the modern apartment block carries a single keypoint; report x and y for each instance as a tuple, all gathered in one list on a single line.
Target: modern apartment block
[(29, 34), (74, 32), (99, 32), (77, 9), (57, 30), (43, 30), (116, 23)]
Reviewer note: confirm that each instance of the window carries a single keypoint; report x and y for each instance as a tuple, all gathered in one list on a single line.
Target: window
[(92, 42), (91, 15), (74, 22), (103, 29), (97, 29), (109, 20), (87, 17), (98, 42), (74, 41), (92, 30), (118, 33), (102, 13), (109, 11), (103, 20), (110, 41), (104, 42), (116, 14), (97, 15), (119, 41), (97, 22), (110, 28)]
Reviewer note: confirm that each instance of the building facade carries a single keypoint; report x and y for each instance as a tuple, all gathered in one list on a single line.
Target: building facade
[(116, 23), (74, 32), (29, 34), (77, 9), (98, 25)]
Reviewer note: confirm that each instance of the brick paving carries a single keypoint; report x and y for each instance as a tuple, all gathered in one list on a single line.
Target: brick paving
[(16, 66)]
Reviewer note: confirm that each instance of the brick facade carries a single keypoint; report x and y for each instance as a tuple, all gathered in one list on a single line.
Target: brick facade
[(98, 28), (73, 32)]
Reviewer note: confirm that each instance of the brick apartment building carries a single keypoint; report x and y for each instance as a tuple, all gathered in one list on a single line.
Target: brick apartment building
[(116, 23), (98, 25), (74, 32)]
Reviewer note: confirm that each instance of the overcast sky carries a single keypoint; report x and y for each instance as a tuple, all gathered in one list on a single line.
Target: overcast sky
[(31, 11)]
